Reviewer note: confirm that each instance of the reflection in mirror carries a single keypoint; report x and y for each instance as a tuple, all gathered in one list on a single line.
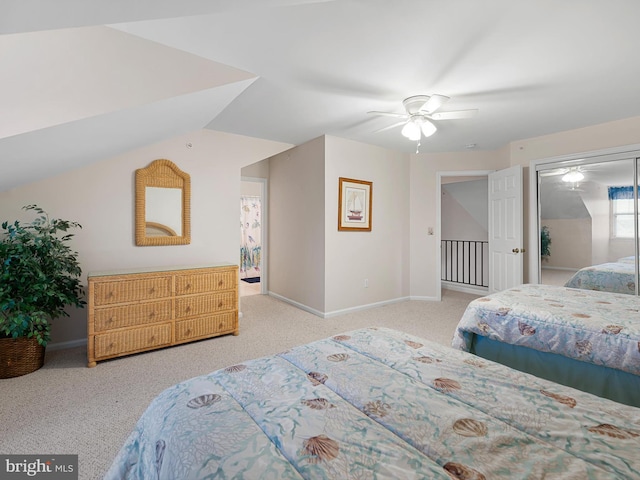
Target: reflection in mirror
[(587, 232), (163, 211), (163, 194)]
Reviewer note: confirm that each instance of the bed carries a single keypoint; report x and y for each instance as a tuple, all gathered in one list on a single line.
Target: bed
[(585, 339), (616, 277), (376, 403)]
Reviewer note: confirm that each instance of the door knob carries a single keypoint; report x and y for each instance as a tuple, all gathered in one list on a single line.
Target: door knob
[(516, 250)]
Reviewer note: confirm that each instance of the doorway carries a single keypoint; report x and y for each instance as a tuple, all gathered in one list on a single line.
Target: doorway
[(252, 236), (462, 231)]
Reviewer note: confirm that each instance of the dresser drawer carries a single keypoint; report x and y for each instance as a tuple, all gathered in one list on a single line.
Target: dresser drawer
[(109, 318), (145, 309), (206, 282), (203, 304), (125, 291), (205, 326), (128, 341)]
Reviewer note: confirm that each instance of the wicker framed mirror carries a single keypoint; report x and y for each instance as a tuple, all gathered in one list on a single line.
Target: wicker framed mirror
[(163, 205)]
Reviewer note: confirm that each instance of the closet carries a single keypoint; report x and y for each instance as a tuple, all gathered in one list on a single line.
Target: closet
[(585, 213)]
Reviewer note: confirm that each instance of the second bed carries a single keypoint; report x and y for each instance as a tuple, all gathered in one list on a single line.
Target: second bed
[(584, 339)]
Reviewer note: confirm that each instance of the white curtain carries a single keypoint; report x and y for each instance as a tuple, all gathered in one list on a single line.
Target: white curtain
[(250, 235)]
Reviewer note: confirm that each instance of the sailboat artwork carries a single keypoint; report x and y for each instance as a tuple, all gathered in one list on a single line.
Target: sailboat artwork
[(354, 205)]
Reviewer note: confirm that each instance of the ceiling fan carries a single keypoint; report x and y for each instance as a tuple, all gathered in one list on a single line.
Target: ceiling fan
[(571, 177), (569, 174), (421, 110)]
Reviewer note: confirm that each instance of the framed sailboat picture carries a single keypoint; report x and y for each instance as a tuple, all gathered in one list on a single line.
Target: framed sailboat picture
[(354, 204)]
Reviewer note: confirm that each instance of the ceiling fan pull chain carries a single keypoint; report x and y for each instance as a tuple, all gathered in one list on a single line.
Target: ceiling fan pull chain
[(418, 147)]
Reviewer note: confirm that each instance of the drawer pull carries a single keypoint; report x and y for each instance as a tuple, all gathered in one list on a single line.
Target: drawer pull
[(110, 294), (220, 283), (152, 314), (187, 286), (188, 309), (153, 290), (110, 320), (220, 305), (188, 332), (152, 339)]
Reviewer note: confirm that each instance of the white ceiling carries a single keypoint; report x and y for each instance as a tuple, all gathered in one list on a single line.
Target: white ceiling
[(82, 81)]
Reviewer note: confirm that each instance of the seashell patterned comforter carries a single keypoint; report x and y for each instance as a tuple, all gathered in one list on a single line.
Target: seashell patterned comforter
[(600, 328), (616, 277), (378, 404)]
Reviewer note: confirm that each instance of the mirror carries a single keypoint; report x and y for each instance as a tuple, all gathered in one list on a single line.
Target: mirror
[(163, 196), (586, 219)]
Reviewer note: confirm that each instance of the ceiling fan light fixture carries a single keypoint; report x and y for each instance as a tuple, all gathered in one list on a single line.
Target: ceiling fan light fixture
[(573, 176), (411, 130), (420, 110), (428, 128)]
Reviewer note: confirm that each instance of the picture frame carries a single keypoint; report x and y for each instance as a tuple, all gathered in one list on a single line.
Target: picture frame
[(354, 205)]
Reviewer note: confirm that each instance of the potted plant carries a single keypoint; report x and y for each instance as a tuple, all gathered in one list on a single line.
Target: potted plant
[(39, 277), (545, 241)]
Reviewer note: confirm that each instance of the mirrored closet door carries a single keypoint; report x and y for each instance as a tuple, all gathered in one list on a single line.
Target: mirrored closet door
[(588, 223)]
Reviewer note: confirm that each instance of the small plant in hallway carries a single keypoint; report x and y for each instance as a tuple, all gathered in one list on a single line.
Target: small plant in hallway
[(545, 242)]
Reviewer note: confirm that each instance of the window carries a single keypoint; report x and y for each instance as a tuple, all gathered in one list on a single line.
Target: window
[(621, 199)]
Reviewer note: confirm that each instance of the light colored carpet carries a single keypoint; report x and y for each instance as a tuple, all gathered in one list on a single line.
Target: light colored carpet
[(67, 408)]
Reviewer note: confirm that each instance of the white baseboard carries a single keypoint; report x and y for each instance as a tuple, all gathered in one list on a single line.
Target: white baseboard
[(297, 304), (81, 342), (365, 307), (424, 299), (336, 312), (465, 288), (563, 269)]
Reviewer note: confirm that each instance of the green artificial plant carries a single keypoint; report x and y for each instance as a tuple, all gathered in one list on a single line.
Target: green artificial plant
[(39, 276), (545, 242)]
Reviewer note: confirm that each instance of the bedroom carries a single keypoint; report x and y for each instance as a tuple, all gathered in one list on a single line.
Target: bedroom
[(98, 150)]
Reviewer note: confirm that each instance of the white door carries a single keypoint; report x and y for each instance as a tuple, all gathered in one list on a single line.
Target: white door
[(505, 229)]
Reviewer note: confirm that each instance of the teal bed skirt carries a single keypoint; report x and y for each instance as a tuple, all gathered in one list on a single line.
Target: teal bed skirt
[(622, 387)]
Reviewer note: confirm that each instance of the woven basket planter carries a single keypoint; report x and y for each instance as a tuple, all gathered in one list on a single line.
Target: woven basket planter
[(19, 356)]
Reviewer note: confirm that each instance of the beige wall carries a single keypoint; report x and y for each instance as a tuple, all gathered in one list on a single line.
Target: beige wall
[(382, 255), (570, 243), (596, 137), (457, 223), (311, 263), (101, 198), (596, 200), (257, 170), (251, 189), (296, 251)]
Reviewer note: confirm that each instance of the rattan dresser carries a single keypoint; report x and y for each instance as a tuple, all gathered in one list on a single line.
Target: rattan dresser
[(138, 310)]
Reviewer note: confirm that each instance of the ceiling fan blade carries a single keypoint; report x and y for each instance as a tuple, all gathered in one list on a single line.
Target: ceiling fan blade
[(553, 173), (454, 115), (434, 103), (389, 127), (390, 114)]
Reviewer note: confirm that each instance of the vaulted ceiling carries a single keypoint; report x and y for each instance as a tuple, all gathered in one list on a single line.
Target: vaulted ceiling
[(83, 81)]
